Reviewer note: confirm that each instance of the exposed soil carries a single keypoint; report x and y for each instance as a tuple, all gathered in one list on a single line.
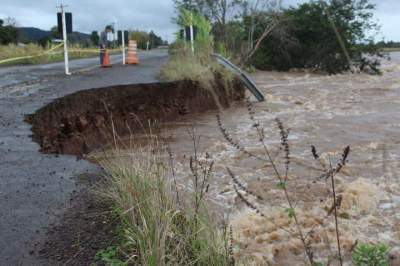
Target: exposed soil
[(87, 120), (81, 122), (87, 226)]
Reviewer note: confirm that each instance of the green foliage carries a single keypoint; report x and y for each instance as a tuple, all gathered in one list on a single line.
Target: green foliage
[(306, 38), (37, 50), (371, 255), (8, 34), (197, 6), (154, 40), (95, 38), (109, 28), (281, 185), (54, 33), (235, 34), (109, 257), (290, 212), (45, 42), (390, 44), (197, 66), (155, 228), (142, 37), (204, 39)]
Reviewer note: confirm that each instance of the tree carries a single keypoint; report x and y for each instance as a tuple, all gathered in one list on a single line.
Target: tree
[(219, 12), (45, 41), (141, 38), (110, 27), (95, 38), (154, 40), (54, 33), (8, 31), (223, 13), (262, 15), (332, 37)]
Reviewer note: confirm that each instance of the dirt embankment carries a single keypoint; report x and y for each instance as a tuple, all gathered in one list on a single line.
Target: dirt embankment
[(81, 122), (87, 120)]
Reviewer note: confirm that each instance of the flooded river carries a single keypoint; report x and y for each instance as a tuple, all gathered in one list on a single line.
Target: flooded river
[(329, 112)]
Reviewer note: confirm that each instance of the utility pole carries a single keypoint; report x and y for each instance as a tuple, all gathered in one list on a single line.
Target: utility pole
[(64, 29)]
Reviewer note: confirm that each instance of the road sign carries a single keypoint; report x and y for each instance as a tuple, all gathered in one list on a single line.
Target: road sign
[(126, 37), (68, 22), (188, 32)]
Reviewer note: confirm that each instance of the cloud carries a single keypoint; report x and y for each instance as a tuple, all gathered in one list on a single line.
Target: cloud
[(94, 15), (145, 14)]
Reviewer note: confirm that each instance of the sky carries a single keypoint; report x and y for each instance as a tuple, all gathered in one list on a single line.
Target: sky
[(156, 15)]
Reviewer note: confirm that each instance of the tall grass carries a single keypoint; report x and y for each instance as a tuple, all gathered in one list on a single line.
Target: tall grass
[(10, 51), (14, 51), (197, 64), (159, 229)]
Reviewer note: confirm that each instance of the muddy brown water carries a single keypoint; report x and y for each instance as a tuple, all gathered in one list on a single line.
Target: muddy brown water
[(329, 112)]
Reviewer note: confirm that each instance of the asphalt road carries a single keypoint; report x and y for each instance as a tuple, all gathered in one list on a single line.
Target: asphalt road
[(35, 188)]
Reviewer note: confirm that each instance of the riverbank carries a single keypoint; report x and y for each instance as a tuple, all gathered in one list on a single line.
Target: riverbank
[(329, 112)]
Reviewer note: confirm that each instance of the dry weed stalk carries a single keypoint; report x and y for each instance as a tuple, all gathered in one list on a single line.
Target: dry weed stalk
[(335, 207), (283, 180), (201, 173)]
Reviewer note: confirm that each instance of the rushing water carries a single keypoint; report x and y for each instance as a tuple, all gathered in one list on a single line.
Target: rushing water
[(329, 112)]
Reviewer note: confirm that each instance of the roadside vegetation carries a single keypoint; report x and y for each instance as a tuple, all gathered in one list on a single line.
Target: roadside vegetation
[(143, 37), (326, 36), (389, 46), (27, 42), (195, 62), (165, 225), (40, 55), (159, 225), (165, 221)]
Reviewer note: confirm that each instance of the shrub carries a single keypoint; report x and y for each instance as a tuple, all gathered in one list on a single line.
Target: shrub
[(142, 37), (8, 33), (371, 255), (329, 37), (198, 65)]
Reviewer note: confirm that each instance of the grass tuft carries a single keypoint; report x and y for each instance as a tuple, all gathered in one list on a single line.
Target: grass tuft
[(157, 229)]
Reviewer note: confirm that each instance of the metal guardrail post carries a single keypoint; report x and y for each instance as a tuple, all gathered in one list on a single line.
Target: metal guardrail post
[(248, 82)]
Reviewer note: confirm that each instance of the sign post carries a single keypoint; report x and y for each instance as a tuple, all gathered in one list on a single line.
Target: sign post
[(65, 38), (191, 32), (123, 46)]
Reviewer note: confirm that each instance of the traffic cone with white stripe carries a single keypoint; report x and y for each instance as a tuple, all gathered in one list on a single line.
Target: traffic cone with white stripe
[(132, 53)]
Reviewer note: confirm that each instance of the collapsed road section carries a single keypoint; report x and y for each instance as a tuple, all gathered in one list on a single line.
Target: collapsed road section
[(86, 120)]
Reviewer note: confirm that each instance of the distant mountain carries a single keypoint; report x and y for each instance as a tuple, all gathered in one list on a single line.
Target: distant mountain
[(30, 34)]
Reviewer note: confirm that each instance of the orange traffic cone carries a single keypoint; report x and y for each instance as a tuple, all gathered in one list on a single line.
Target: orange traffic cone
[(132, 53), (106, 59)]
